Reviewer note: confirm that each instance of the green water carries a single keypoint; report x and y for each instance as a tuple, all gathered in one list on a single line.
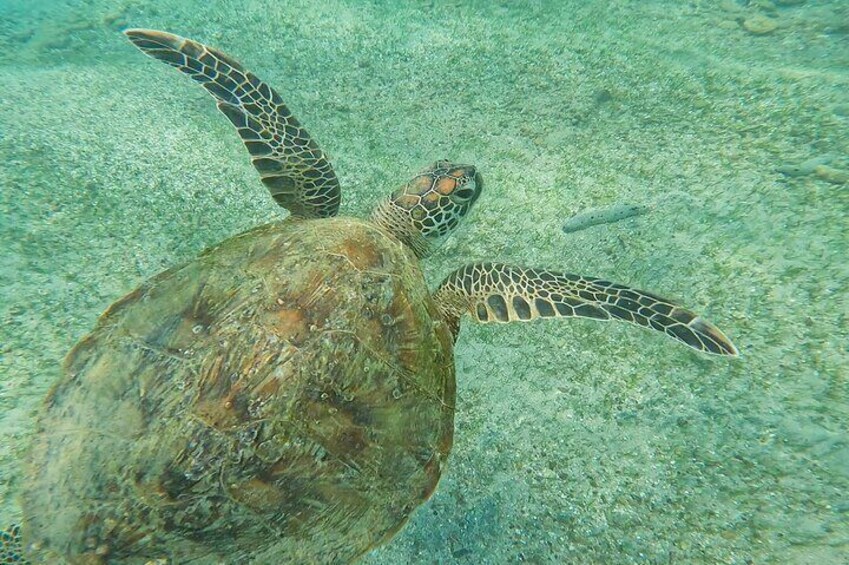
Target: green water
[(576, 441)]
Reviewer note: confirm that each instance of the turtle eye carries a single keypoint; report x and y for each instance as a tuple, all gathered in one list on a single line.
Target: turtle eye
[(463, 194), (468, 191)]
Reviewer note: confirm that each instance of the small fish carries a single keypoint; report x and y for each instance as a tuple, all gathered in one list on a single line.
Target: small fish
[(596, 216), (806, 167)]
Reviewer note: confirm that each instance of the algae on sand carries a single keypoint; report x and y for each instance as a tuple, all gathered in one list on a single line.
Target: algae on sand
[(575, 442)]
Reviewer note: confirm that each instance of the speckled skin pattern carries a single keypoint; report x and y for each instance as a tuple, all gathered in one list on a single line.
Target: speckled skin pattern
[(288, 396), (291, 165), (10, 546)]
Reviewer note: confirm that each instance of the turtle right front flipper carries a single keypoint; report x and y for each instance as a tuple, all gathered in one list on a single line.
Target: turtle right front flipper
[(291, 165), (494, 292)]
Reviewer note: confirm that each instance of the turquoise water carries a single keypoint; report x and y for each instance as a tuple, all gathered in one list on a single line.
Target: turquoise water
[(576, 441)]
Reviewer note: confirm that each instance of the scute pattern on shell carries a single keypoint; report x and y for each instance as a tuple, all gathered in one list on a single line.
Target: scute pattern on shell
[(293, 385)]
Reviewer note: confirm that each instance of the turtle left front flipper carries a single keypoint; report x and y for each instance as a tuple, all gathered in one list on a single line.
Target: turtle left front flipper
[(495, 292), (291, 165), (11, 547)]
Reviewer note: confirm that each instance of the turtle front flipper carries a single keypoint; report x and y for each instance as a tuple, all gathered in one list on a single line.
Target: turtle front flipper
[(11, 547), (291, 165), (494, 292)]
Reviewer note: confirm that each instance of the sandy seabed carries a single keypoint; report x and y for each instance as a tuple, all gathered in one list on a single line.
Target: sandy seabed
[(576, 442)]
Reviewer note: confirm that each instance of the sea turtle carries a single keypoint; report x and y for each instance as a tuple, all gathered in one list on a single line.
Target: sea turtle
[(287, 396)]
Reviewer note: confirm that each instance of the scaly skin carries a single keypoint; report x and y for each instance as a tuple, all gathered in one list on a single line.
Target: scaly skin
[(291, 165), (287, 396)]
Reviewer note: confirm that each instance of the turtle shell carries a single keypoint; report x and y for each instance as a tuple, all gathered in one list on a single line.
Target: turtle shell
[(288, 396)]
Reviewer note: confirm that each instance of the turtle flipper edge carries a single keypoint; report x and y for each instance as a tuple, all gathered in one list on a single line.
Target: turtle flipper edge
[(291, 165), (11, 547), (495, 292)]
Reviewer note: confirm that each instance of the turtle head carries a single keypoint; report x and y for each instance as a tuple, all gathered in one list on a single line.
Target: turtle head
[(430, 205)]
